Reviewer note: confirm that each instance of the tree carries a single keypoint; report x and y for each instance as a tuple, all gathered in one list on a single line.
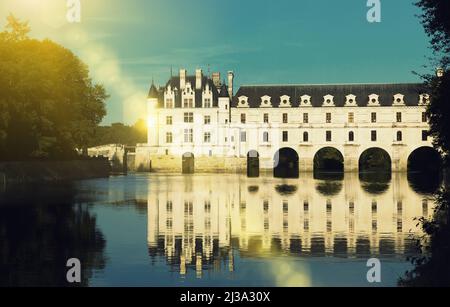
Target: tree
[(49, 106), (435, 18), (432, 268), (119, 133)]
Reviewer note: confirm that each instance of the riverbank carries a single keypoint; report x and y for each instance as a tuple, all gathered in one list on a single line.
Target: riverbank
[(52, 171)]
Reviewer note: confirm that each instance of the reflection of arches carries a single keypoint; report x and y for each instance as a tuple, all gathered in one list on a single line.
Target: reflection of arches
[(329, 188), (375, 160), (375, 183), (285, 189), (188, 164), (425, 159), (286, 163), (328, 159), (253, 164)]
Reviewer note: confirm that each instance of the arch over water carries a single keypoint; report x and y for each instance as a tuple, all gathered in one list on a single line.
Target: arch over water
[(329, 159), (286, 163), (425, 159), (188, 163), (425, 170), (375, 160), (253, 164)]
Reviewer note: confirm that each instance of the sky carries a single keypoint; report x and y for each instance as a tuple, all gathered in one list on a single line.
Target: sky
[(127, 43)]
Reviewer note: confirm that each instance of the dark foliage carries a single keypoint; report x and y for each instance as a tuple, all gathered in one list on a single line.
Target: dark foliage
[(49, 106)]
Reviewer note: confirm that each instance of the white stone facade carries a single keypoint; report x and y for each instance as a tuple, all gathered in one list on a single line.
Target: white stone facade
[(194, 115)]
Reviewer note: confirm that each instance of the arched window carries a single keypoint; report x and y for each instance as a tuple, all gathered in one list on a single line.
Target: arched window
[(266, 137), (305, 137), (351, 136), (399, 136)]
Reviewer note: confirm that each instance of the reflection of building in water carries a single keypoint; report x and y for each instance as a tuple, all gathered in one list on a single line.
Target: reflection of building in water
[(201, 222)]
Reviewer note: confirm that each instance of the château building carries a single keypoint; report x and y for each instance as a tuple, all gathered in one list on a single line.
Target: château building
[(199, 123)]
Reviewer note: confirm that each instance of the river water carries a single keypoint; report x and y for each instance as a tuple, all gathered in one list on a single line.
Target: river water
[(213, 230)]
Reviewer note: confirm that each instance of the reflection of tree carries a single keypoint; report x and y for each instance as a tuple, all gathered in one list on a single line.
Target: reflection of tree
[(37, 238), (432, 269)]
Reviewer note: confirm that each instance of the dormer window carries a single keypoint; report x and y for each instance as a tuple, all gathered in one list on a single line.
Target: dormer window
[(350, 100), (305, 101), (374, 100), (328, 101), (243, 102), (424, 99), (266, 102), (399, 99), (285, 101)]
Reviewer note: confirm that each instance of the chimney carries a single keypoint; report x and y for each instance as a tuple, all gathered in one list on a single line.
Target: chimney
[(183, 79), (230, 83), (216, 79), (198, 79)]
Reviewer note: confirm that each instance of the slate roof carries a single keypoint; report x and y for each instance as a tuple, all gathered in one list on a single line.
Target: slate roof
[(153, 92), (174, 82), (386, 93), (224, 91)]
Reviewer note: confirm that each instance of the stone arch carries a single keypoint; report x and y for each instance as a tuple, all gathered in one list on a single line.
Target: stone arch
[(286, 163), (188, 163), (375, 160), (425, 170), (253, 164), (425, 159), (329, 159)]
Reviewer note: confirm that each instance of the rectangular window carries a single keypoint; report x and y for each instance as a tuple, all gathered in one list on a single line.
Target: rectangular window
[(373, 117), (266, 118), (208, 103), (328, 136), (207, 120), (373, 136), (243, 118), (188, 103), (266, 137), (305, 137), (328, 118), (169, 138), (207, 137), (243, 136), (285, 136), (351, 136), (399, 117), (169, 103), (169, 120), (305, 118), (188, 135), (188, 117), (424, 117), (285, 118), (351, 118), (425, 135)]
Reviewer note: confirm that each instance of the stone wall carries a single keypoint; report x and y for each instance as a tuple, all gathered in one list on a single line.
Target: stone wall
[(202, 164)]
